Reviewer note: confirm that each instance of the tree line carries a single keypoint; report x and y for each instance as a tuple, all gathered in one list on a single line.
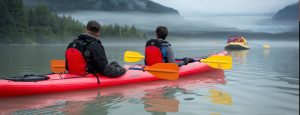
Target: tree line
[(39, 25), (118, 31)]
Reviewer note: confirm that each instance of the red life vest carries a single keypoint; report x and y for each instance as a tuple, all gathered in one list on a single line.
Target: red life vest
[(75, 59), (155, 52)]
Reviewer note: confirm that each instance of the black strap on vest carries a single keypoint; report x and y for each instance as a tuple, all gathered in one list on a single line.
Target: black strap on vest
[(86, 54), (98, 80)]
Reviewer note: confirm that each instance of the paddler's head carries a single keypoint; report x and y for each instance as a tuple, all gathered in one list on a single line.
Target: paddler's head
[(93, 27), (161, 32)]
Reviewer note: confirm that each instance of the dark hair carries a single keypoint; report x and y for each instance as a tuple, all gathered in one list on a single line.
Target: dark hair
[(93, 26), (162, 32)]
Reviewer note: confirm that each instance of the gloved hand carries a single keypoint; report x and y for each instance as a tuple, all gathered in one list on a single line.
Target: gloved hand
[(187, 60), (113, 70), (204, 57), (114, 63)]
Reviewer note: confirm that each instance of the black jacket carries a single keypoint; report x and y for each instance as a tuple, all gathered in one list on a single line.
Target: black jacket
[(95, 57)]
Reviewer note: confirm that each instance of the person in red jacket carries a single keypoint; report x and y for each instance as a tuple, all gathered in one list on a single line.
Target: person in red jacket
[(86, 54), (159, 50)]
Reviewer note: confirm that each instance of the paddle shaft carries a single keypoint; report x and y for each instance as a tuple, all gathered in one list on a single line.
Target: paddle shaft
[(193, 60), (197, 58), (133, 68), (155, 70)]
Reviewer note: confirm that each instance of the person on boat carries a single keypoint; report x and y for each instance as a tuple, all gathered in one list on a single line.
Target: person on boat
[(159, 50), (241, 40), (236, 38), (86, 54), (230, 39), (244, 40)]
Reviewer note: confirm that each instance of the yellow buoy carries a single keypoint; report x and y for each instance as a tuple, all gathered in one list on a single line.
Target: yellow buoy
[(266, 46)]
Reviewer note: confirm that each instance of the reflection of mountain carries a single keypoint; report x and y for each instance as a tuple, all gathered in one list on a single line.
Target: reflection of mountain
[(104, 5), (288, 13)]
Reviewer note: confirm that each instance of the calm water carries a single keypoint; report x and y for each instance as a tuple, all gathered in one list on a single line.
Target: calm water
[(262, 82)]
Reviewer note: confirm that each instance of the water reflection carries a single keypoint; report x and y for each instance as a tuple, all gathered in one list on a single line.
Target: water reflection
[(161, 101), (165, 100), (239, 56), (220, 97), (266, 53)]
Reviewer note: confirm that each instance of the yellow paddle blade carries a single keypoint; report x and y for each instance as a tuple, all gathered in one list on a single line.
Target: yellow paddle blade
[(58, 66), (131, 56), (220, 62), (169, 71)]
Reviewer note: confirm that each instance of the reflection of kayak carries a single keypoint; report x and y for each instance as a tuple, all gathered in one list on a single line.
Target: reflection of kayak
[(68, 82), (77, 100), (236, 46)]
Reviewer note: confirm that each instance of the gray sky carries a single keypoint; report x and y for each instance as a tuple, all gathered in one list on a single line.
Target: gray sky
[(226, 7)]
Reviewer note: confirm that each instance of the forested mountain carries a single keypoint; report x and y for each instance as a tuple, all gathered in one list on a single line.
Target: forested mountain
[(288, 13), (39, 25), (145, 6)]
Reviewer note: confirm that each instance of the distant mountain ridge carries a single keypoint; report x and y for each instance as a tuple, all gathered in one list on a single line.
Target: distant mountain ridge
[(146, 6), (288, 13)]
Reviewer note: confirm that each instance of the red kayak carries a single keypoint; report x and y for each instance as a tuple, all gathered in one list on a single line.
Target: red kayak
[(79, 98), (69, 82)]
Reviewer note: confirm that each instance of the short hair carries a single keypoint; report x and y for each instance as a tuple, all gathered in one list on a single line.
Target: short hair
[(162, 32), (93, 26)]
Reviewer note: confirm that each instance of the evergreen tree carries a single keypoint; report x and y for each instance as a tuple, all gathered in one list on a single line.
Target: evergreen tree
[(5, 22), (18, 24)]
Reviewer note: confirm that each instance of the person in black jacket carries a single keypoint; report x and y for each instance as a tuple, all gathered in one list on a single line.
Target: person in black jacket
[(93, 52)]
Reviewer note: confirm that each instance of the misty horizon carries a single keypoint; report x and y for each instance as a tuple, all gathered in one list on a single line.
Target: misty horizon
[(226, 7), (149, 21), (182, 15)]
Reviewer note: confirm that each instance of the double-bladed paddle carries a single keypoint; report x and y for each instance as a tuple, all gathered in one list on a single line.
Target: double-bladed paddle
[(169, 71), (215, 61)]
